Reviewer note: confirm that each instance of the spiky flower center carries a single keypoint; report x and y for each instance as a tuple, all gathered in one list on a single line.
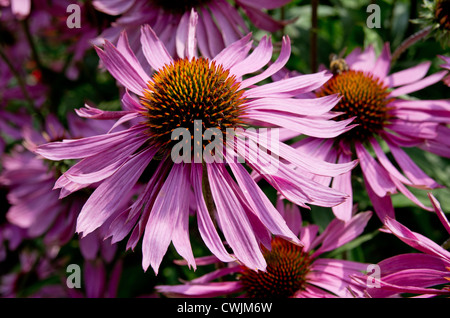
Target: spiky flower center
[(178, 6), (364, 97), (287, 266), (442, 14), (187, 92)]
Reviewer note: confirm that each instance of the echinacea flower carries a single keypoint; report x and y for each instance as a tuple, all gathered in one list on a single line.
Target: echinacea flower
[(181, 94), (29, 180), (220, 23), (387, 123), (422, 274), (292, 270), (436, 17)]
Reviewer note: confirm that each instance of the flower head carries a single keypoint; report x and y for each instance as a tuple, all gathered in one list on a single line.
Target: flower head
[(435, 15), (192, 97), (29, 180), (388, 121), (292, 270), (220, 23)]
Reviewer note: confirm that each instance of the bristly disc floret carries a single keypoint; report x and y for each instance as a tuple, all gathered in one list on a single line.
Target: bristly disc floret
[(191, 90), (287, 266), (178, 6), (364, 97)]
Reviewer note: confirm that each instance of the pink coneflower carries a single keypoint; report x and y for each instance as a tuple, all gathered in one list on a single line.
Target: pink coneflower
[(425, 274), (387, 122), (180, 93), (292, 270), (30, 179), (220, 23)]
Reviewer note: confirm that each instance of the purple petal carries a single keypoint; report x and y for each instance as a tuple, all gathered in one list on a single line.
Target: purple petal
[(86, 147), (343, 183), (418, 85), (290, 87), (108, 196), (439, 212), (124, 47), (260, 56), (233, 220), (416, 240), (234, 53), (339, 232), (168, 221), (206, 227), (383, 63), (121, 69), (407, 76), (376, 175), (261, 205), (411, 170), (153, 49)]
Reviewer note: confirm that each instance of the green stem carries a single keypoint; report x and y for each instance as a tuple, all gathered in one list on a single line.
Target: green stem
[(30, 103), (410, 41), (446, 244), (34, 52), (313, 37)]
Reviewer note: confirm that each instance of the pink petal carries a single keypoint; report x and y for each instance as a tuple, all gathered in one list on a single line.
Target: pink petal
[(86, 147), (108, 196), (373, 173), (290, 87), (260, 56), (213, 289), (153, 49), (338, 232), (206, 227), (343, 183), (234, 222), (234, 53), (407, 76), (416, 240), (383, 63), (411, 170), (168, 216), (121, 69), (418, 85), (262, 207), (439, 212)]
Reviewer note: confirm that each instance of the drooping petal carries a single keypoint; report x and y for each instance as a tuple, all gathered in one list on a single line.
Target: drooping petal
[(343, 183), (167, 221), (235, 224), (205, 223), (376, 175), (107, 197), (261, 205), (418, 85), (339, 232), (416, 240), (439, 212), (86, 147)]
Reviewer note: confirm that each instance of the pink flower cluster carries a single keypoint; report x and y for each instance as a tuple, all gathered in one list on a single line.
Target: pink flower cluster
[(111, 178)]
